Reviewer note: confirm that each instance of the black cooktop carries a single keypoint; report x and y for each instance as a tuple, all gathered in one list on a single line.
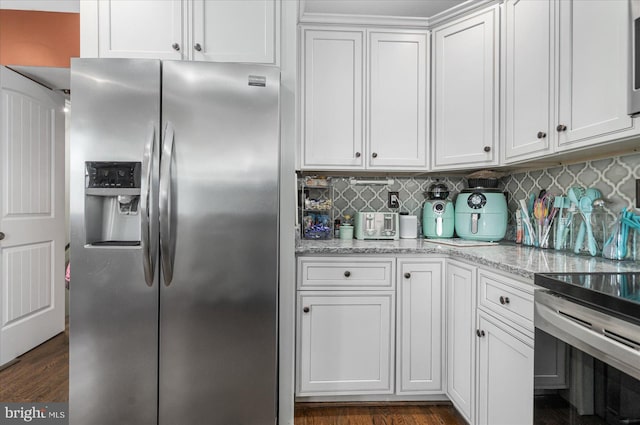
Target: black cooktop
[(614, 293)]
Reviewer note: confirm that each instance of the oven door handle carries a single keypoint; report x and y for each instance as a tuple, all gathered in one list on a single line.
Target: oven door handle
[(586, 330)]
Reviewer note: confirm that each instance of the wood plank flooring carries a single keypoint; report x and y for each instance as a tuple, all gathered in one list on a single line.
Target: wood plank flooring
[(392, 414), (41, 375)]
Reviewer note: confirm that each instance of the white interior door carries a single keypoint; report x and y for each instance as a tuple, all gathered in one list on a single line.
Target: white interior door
[(31, 214)]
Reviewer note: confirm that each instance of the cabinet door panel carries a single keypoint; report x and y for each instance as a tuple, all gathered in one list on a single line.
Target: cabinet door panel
[(461, 319), (505, 375), (140, 29), (466, 95), (419, 343), (345, 343), (528, 57), (397, 121), (332, 78), (234, 31), (594, 46)]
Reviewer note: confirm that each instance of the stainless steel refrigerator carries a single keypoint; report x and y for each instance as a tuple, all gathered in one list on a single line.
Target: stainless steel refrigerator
[(174, 242)]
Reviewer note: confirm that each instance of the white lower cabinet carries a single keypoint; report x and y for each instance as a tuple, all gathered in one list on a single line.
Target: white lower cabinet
[(419, 341), (505, 374), (345, 342), (460, 294), (457, 329)]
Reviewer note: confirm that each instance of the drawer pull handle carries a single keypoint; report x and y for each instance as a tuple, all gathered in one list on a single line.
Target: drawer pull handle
[(305, 310), (407, 275), (347, 273), (480, 333), (504, 300), (561, 127)]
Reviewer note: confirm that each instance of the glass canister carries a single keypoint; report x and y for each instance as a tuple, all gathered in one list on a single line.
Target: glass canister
[(589, 229)]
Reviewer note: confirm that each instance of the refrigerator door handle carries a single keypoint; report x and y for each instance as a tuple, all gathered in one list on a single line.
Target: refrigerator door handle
[(146, 216), (166, 253)]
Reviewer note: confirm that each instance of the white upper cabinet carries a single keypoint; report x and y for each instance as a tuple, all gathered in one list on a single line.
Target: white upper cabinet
[(593, 72), (332, 99), (140, 29), (465, 87), (205, 30), (397, 102), (234, 31), (528, 102), (356, 79)]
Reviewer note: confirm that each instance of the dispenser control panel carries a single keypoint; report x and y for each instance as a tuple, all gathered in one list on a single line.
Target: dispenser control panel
[(113, 175)]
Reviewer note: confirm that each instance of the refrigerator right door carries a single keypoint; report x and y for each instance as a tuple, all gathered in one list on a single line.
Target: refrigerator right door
[(219, 244)]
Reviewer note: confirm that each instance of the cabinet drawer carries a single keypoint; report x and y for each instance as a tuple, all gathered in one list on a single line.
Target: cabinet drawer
[(345, 273), (508, 298)]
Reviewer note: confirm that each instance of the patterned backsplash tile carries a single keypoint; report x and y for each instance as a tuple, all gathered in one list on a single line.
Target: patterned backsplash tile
[(614, 177)]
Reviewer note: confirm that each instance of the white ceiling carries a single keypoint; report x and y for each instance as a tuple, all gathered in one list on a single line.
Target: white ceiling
[(393, 8), (68, 6)]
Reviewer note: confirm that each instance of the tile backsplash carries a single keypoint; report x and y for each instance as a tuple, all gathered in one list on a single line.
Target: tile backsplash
[(614, 177)]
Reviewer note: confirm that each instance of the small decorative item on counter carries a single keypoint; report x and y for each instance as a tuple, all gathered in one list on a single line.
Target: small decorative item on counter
[(346, 231)]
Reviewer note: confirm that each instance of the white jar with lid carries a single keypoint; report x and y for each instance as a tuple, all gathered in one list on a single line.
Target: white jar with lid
[(408, 226)]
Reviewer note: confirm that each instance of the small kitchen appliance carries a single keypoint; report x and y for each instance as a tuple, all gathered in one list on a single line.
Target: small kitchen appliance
[(438, 213), (377, 225), (481, 214)]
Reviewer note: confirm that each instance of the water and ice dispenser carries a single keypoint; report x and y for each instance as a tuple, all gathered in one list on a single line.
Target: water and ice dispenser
[(112, 203)]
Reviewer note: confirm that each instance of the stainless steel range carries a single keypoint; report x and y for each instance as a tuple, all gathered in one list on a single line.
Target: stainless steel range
[(593, 321)]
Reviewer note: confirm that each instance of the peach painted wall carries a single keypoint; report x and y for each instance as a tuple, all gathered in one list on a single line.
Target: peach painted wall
[(32, 38)]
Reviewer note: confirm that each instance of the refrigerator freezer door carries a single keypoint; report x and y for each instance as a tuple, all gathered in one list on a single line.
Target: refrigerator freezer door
[(218, 316), (114, 313)]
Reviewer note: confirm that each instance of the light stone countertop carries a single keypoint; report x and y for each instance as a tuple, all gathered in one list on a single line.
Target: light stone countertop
[(511, 258)]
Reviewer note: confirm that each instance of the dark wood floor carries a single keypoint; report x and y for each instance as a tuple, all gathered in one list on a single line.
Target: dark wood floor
[(393, 414), (41, 375)]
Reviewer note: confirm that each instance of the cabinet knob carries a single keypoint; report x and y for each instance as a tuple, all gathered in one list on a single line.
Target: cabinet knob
[(176, 47), (198, 47), (487, 148), (347, 273), (479, 333), (358, 154), (1, 236), (561, 127), (305, 309), (504, 300), (541, 134), (375, 155), (407, 275)]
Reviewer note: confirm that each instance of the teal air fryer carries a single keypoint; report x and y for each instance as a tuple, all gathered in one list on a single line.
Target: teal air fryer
[(438, 213), (481, 214)]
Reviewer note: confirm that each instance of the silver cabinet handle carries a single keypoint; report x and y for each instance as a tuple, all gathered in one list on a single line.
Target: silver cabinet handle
[(165, 203), (198, 47), (1, 236), (146, 200), (176, 47)]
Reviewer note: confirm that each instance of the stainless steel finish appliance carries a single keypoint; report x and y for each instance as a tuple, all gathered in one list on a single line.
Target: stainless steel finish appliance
[(634, 63), (377, 225), (588, 325), (174, 220)]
